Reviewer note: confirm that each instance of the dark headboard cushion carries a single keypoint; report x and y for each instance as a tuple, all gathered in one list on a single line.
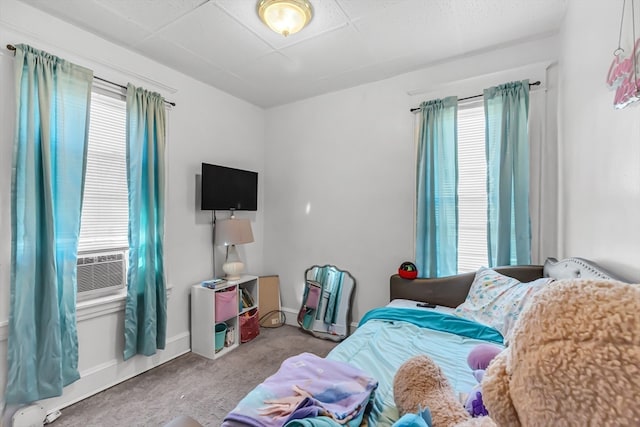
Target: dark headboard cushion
[(451, 291)]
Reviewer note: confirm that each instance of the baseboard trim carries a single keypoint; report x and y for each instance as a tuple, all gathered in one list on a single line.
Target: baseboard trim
[(4, 330), (292, 316), (113, 372)]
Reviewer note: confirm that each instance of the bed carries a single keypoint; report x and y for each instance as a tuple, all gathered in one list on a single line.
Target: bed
[(387, 336)]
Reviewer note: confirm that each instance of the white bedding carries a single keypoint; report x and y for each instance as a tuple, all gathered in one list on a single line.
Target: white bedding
[(407, 303)]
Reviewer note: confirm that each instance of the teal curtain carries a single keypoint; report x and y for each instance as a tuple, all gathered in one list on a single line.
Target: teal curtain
[(437, 189), (507, 150), (146, 308), (49, 159)]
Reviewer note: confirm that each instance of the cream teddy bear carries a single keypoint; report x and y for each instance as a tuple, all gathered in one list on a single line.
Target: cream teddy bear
[(573, 360), (419, 384)]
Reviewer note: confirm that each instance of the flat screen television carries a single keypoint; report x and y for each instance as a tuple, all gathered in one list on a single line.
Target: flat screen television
[(226, 188)]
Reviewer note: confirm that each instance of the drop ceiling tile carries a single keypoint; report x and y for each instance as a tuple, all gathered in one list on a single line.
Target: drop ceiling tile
[(272, 69), (331, 53), (356, 9), (348, 42), (151, 14), (478, 26), (400, 33), (199, 69), (207, 33), (354, 77), (327, 16), (266, 96), (93, 17), (399, 66), (174, 56), (234, 86)]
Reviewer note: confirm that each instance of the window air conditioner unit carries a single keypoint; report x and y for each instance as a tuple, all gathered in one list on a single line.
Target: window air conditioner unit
[(101, 273)]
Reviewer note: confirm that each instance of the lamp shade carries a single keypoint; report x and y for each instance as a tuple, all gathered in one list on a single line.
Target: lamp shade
[(233, 231)]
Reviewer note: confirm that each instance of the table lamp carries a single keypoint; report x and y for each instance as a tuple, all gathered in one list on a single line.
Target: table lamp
[(231, 232)]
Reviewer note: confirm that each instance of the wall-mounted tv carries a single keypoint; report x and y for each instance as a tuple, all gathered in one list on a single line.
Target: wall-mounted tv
[(226, 188)]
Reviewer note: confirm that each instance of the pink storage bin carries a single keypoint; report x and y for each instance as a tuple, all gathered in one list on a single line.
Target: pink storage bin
[(226, 304), (249, 325)]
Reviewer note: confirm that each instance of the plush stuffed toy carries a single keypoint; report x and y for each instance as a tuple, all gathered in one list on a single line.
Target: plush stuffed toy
[(478, 360), (420, 383), (573, 359)]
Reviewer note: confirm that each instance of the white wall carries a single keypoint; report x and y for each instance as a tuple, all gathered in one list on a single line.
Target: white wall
[(600, 146), (340, 170), (207, 125)]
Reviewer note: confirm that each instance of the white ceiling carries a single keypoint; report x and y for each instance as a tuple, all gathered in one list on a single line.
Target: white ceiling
[(348, 42)]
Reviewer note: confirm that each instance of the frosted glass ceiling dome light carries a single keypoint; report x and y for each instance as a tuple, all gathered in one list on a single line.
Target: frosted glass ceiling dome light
[(285, 16)]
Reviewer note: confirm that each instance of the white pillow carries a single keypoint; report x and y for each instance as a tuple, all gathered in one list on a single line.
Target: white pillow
[(497, 300)]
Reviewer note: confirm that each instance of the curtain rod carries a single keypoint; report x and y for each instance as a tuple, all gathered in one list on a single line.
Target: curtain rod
[(413, 110), (173, 104)]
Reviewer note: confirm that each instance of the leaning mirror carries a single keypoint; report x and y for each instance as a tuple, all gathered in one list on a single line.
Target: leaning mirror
[(326, 302)]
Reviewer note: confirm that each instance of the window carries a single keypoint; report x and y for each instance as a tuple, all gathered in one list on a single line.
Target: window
[(105, 211), (472, 188)]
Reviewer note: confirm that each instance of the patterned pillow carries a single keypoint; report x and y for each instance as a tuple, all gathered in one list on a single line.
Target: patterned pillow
[(497, 300)]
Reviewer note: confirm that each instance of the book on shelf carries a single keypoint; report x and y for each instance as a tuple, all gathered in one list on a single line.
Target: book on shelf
[(247, 299), (214, 283)]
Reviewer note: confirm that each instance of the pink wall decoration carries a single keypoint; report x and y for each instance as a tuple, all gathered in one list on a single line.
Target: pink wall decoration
[(623, 78)]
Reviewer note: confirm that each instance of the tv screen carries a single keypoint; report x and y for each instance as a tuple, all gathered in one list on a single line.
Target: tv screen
[(226, 188)]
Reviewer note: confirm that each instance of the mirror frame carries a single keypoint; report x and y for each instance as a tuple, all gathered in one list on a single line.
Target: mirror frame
[(329, 336)]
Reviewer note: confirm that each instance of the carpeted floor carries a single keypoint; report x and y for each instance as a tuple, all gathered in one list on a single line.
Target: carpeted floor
[(193, 385)]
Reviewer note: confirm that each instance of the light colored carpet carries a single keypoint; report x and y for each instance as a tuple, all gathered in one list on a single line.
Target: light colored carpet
[(193, 385)]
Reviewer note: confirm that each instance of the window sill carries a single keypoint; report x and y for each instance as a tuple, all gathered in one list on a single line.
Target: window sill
[(102, 306), (90, 308)]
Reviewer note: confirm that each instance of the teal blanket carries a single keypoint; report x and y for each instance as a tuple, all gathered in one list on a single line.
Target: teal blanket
[(387, 337), (437, 321)]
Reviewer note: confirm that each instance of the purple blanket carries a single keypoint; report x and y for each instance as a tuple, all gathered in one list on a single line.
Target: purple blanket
[(305, 386)]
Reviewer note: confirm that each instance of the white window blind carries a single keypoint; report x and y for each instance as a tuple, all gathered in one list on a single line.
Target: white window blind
[(105, 212), (472, 189)]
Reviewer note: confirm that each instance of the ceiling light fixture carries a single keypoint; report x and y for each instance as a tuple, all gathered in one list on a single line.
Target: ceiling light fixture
[(285, 16)]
